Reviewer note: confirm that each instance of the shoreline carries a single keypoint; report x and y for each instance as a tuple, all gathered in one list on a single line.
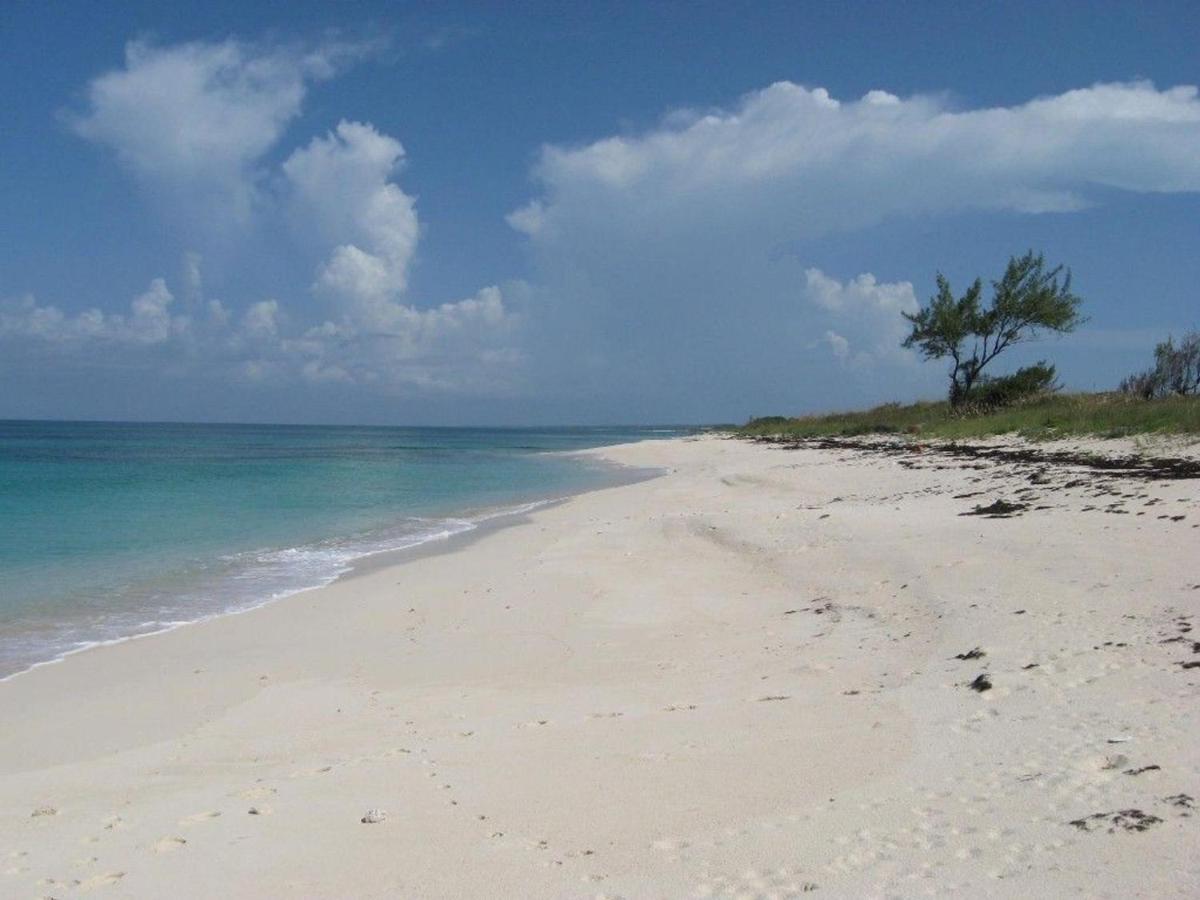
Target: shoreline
[(749, 674), (474, 521)]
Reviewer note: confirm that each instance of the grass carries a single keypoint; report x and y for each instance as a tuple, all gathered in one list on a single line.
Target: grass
[(1057, 415)]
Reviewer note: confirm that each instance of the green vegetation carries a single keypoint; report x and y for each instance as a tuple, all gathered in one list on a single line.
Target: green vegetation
[(1027, 299), (1040, 418)]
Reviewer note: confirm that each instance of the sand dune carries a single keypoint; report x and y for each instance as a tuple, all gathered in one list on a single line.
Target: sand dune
[(767, 673)]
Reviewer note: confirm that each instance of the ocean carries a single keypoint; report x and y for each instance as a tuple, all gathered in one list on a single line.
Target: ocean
[(114, 530)]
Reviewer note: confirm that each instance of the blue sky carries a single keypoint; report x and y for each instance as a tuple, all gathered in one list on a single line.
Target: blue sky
[(530, 213)]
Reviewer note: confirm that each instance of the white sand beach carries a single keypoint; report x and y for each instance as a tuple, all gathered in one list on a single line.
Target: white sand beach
[(737, 679)]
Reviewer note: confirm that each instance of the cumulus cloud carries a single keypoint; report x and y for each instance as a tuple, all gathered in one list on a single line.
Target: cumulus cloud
[(815, 164), (197, 122), (149, 321), (465, 345), (194, 119), (341, 186), (869, 311)]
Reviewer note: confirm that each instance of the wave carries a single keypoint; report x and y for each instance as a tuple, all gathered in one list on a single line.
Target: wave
[(237, 583)]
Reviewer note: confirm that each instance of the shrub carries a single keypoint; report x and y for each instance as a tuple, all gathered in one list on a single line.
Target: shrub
[(767, 422), (1144, 385), (1031, 381)]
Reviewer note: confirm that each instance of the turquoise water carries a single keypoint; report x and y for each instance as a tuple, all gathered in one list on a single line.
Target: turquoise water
[(109, 530)]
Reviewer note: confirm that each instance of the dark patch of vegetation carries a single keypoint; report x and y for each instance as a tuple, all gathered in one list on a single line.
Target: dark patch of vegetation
[(1059, 415), (1037, 380)]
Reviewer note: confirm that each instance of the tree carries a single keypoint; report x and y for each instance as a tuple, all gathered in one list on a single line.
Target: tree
[(1027, 300), (1176, 370)]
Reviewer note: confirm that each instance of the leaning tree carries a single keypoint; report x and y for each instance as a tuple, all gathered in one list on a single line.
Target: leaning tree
[(1028, 299)]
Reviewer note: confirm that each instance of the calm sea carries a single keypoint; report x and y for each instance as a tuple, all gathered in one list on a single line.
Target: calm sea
[(109, 530)]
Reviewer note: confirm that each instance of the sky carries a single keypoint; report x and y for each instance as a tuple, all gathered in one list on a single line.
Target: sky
[(547, 213)]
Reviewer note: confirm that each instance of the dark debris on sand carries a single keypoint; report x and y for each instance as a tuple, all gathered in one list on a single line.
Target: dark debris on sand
[(1001, 509), (1120, 820), (981, 683), (1149, 468)]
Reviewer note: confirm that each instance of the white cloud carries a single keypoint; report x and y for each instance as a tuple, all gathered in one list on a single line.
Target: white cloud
[(464, 346), (194, 119), (815, 165), (838, 345), (261, 320), (196, 122), (149, 321), (867, 310), (340, 187)]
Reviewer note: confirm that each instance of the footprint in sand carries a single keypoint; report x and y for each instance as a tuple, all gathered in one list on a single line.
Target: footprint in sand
[(169, 845), (668, 845), (308, 773), (258, 793), (781, 882), (101, 880), (200, 817)]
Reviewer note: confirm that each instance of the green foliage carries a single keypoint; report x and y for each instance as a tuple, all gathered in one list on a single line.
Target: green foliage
[(1028, 299), (1176, 370), (1021, 385), (767, 422), (1045, 416)]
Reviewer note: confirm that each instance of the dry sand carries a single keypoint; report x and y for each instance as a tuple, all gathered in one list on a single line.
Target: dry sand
[(738, 679)]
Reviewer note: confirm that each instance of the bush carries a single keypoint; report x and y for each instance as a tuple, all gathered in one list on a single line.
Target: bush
[(1144, 385), (1031, 381), (767, 422), (1176, 370)]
